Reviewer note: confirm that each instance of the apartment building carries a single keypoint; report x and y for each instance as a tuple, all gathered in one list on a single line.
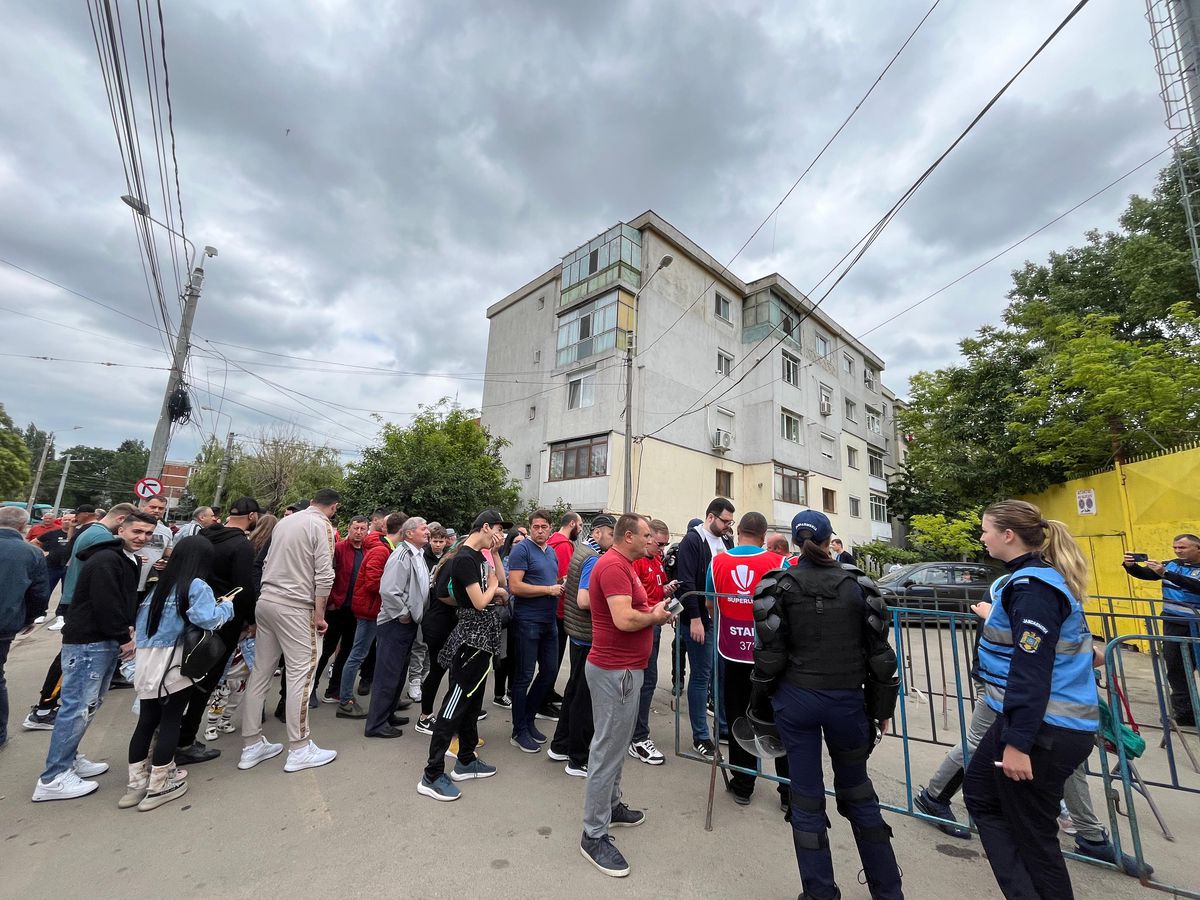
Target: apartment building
[(741, 389)]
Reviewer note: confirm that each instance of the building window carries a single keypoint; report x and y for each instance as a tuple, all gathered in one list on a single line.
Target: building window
[(874, 463), (847, 363), (724, 363), (821, 344), (879, 508), (581, 391), (541, 302), (869, 377), (537, 357), (852, 457), (829, 500), (724, 483), (851, 410), (826, 393), (874, 420), (721, 308), (855, 508), (532, 413), (791, 369), (789, 426), (584, 458), (828, 446), (588, 330), (790, 486), (528, 470)]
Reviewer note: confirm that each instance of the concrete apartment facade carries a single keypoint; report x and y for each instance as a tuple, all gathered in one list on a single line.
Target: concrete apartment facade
[(812, 424)]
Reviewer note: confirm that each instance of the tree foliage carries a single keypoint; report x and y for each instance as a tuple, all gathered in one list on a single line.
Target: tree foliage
[(945, 537), (1097, 360), (443, 466), (97, 475), (14, 459)]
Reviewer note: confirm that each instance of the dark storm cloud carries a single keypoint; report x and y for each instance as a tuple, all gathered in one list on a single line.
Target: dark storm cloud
[(374, 177)]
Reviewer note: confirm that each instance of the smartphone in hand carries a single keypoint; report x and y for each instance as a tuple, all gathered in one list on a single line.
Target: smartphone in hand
[(1139, 557)]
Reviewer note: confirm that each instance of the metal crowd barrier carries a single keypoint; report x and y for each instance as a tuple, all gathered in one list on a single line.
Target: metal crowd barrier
[(935, 648)]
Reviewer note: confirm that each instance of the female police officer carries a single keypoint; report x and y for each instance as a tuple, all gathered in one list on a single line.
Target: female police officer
[(1035, 659), (821, 635)]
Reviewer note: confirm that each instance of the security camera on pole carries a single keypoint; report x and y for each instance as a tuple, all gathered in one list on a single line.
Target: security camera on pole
[(191, 297)]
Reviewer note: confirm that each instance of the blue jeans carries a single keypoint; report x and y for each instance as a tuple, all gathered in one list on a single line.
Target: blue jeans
[(641, 731), (364, 633), (700, 683), (87, 670), (537, 644), (5, 644)]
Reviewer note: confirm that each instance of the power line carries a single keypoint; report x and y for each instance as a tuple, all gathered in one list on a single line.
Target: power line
[(91, 362)]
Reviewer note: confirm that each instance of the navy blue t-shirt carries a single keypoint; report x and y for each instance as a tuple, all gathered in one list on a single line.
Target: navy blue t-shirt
[(540, 568)]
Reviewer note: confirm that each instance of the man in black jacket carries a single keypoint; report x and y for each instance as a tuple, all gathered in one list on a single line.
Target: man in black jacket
[(696, 551), (233, 567), (97, 635)]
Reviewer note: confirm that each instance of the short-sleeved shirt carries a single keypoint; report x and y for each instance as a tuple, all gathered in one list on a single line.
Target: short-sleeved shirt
[(478, 628), (155, 549), (541, 568), (613, 575), (56, 544)]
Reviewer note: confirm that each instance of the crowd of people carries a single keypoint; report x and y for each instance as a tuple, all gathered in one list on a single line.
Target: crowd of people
[(199, 622)]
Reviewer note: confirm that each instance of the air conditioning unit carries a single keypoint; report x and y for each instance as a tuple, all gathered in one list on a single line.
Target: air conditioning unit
[(826, 408), (722, 439), (869, 380)]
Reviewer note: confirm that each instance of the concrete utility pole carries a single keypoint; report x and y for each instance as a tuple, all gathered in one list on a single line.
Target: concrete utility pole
[(62, 483), (224, 470), (629, 342), (37, 479)]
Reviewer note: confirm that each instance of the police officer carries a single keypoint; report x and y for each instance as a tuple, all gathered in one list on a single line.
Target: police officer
[(823, 666), (1035, 659)]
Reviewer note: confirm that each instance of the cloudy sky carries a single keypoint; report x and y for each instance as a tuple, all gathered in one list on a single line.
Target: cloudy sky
[(375, 175)]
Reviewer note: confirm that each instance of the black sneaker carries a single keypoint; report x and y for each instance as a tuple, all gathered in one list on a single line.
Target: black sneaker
[(350, 710), (549, 712), (928, 804), (705, 748), (624, 817), (35, 722), (603, 854), (364, 687), (504, 702), (331, 695), (195, 754)]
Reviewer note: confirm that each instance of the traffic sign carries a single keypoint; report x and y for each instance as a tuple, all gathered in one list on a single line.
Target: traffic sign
[(148, 487)]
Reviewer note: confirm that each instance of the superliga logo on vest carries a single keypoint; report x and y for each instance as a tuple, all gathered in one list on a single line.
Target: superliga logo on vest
[(735, 576)]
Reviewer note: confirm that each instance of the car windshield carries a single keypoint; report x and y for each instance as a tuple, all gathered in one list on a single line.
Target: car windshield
[(897, 577)]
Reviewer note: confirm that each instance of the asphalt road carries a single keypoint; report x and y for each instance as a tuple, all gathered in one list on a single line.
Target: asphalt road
[(358, 827)]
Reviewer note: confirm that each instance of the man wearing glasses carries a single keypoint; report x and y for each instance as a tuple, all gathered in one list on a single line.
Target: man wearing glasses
[(696, 552)]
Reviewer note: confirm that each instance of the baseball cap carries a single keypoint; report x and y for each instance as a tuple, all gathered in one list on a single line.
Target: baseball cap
[(489, 517), (604, 520), (243, 506), (298, 505), (811, 525), (85, 508)]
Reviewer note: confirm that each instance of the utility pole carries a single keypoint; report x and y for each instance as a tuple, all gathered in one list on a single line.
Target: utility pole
[(224, 470), (37, 479), (162, 432), (62, 483)]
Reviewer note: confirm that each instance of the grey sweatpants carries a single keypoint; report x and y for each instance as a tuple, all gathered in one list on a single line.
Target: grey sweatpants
[(616, 695), (418, 661), (1075, 792)]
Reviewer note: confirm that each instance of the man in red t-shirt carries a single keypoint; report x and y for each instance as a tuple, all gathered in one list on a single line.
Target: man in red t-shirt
[(622, 634)]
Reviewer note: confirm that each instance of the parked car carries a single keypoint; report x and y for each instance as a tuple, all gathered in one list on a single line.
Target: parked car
[(949, 586)]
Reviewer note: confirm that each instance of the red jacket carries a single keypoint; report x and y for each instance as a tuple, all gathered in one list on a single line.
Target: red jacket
[(366, 601), (343, 565), (564, 549), (650, 571)]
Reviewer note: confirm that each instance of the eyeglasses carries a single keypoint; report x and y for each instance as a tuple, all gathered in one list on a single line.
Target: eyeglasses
[(728, 521)]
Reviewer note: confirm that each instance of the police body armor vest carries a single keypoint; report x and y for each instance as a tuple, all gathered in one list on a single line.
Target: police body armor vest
[(1073, 699), (825, 635), (1177, 600), (577, 622)]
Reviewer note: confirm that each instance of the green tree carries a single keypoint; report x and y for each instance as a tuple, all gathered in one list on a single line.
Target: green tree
[(946, 536), (14, 459), (441, 466)]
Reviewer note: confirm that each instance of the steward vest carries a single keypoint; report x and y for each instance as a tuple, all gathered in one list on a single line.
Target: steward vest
[(1073, 699), (577, 622), (735, 576), (1179, 601), (824, 634)]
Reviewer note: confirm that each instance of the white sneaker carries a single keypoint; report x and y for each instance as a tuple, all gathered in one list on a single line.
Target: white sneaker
[(66, 786), (39, 620), (647, 753), (308, 757), (85, 768), (256, 753), (414, 691), (211, 733), (57, 624)]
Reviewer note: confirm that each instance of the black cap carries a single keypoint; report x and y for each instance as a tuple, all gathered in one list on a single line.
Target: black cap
[(489, 517), (85, 508), (298, 505), (243, 506), (604, 520)]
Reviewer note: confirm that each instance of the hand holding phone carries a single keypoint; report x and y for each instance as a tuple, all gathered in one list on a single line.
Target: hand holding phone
[(674, 607), (1138, 557), (230, 595)]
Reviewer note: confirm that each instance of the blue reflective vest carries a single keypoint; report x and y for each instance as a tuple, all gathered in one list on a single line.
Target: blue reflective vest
[(1176, 600), (1073, 699)]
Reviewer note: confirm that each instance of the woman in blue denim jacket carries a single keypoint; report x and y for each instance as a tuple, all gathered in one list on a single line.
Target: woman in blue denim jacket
[(162, 691)]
